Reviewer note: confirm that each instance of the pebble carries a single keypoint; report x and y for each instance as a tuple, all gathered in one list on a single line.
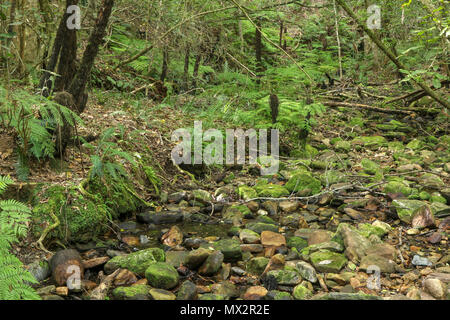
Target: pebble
[(421, 261), (435, 287)]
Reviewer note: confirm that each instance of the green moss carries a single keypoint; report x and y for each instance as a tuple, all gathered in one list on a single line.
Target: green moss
[(246, 193), (271, 191), (257, 265), (119, 196), (136, 262), (398, 186), (81, 219), (302, 182), (137, 292), (367, 230), (162, 275), (296, 242), (301, 293), (326, 261)]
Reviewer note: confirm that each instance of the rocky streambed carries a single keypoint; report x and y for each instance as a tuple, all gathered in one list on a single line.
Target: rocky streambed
[(314, 231)]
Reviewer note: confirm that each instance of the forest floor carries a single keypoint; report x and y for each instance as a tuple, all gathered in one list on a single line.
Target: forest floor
[(362, 215)]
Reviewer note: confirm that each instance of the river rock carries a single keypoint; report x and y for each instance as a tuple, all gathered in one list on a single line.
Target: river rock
[(421, 261), (257, 265), (435, 287), (345, 296), (288, 206), (373, 260), (253, 248), (319, 236), (212, 264), (271, 207), (306, 270), (384, 250), (135, 292), (255, 293), (259, 227), (301, 293), (136, 262), (163, 217), (187, 291), (327, 261), (160, 294), (195, 258), (173, 237), (40, 270), (431, 181), (356, 244), (422, 217), (285, 277), (272, 239), (226, 289), (249, 236), (230, 248), (161, 275)]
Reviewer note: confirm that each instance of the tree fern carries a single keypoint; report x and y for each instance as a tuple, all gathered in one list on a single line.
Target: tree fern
[(14, 219)]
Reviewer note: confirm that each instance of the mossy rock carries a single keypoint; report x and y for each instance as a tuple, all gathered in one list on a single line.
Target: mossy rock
[(343, 146), (229, 178), (437, 197), (304, 181), (306, 153), (257, 265), (246, 192), (271, 191), (259, 227), (162, 275), (327, 261), (285, 277), (396, 146), (160, 294), (136, 292), (81, 220), (406, 208), (136, 262), (119, 195), (296, 242), (301, 293), (230, 248), (369, 166), (202, 196), (211, 296), (398, 186), (367, 230), (345, 296), (371, 142), (333, 177), (415, 144)]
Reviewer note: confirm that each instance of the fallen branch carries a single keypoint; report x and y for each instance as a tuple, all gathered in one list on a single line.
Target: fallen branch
[(101, 291), (336, 104)]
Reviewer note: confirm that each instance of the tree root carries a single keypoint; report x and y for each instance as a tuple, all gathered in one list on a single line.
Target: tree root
[(40, 241)]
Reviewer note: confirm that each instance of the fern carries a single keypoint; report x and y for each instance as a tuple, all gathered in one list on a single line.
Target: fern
[(107, 153), (35, 120), (14, 219)]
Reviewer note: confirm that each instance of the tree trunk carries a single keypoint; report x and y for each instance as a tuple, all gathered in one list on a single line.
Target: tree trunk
[(165, 66), (186, 69), (45, 84), (198, 59), (281, 34), (258, 51), (82, 76)]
